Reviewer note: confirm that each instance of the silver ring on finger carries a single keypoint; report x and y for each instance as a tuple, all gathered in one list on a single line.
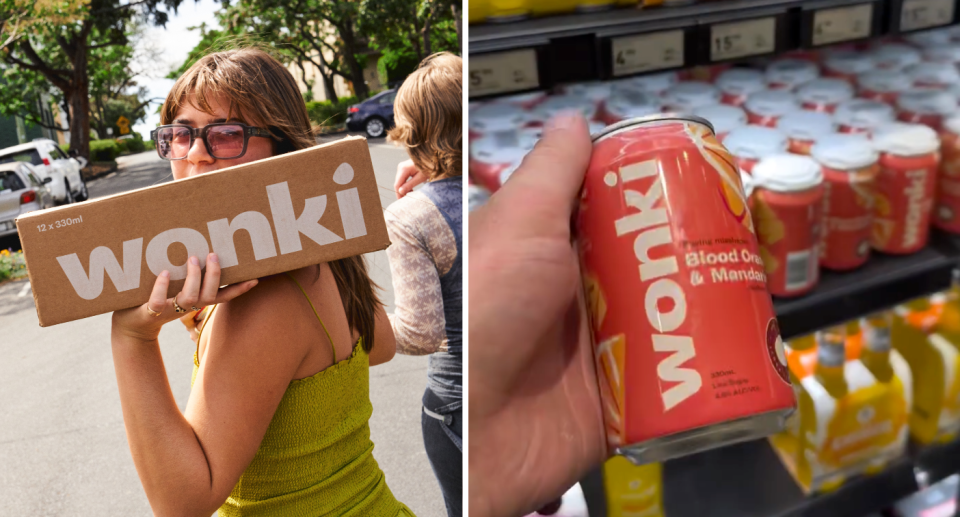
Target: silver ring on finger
[(177, 307)]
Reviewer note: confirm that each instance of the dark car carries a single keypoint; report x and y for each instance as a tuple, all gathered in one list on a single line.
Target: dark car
[(374, 115)]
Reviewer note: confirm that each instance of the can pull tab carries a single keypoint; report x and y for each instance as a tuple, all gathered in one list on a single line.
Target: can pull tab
[(922, 477)]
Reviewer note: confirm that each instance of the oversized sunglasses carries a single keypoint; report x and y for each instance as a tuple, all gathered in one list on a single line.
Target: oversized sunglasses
[(223, 140)]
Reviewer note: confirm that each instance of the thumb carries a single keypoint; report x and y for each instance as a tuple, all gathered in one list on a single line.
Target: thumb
[(548, 181)]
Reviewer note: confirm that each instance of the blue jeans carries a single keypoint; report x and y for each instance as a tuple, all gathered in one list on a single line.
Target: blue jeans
[(443, 439)]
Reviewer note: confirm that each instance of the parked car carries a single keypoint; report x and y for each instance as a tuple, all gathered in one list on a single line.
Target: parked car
[(21, 191), (374, 115), (50, 161)]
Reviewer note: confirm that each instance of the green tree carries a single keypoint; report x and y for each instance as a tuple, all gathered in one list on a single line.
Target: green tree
[(60, 51), (113, 84), (322, 32)]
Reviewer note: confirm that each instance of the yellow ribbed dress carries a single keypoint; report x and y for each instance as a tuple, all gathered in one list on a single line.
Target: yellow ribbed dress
[(316, 457)]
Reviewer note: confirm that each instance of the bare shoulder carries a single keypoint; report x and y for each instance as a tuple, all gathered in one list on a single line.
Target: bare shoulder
[(259, 318)]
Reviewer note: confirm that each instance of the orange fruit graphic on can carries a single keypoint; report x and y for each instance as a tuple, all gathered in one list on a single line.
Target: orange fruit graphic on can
[(688, 349)]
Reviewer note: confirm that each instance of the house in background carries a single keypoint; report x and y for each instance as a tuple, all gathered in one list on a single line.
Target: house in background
[(16, 130)]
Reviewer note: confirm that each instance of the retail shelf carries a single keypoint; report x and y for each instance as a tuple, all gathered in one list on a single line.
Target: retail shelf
[(749, 480), (884, 281), (540, 53)]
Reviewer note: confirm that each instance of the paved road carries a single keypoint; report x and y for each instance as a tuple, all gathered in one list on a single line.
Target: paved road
[(63, 450)]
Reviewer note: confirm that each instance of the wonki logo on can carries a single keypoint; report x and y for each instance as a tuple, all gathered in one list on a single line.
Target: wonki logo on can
[(775, 348)]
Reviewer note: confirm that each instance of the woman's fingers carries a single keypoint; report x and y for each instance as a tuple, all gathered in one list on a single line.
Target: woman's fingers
[(190, 294), (232, 291), (211, 280), (158, 297)]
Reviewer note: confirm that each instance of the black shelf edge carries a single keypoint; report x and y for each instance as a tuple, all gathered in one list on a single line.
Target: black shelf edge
[(884, 281)]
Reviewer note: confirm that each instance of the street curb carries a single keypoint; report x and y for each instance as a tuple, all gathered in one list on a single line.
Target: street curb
[(87, 175)]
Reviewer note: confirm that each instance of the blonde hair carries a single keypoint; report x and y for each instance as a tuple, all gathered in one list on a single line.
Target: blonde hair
[(261, 92), (428, 113)]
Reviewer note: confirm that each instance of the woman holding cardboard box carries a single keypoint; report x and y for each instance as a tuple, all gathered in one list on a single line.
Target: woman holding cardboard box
[(277, 420), (425, 256)]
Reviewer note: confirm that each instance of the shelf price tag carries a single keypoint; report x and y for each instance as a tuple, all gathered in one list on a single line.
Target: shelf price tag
[(741, 39), (647, 52), (842, 24), (503, 72), (923, 14)]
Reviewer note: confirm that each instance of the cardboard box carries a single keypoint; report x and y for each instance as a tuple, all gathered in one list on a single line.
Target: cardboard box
[(261, 218)]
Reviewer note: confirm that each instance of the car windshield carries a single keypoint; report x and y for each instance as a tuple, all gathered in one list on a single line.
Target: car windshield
[(9, 180), (30, 156)]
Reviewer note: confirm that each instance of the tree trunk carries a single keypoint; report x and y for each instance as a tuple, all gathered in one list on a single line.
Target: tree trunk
[(328, 87), (349, 56), (80, 103), (459, 20), (427, 49)]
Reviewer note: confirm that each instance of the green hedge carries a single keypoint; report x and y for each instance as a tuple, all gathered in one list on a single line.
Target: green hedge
[(131, 146), (326, 113), (104, 150)]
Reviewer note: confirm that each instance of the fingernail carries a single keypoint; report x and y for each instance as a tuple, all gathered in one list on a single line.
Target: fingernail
[(195, 261), (165, 274), (214, 258), (563, 120)]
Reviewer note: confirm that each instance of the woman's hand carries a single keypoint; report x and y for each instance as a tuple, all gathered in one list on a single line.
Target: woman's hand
[(143, 323), (536, 425), (408, 176)]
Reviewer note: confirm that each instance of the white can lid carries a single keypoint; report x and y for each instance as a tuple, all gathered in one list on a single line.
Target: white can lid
[(491, 149), (895, 55), (747, 182), (629, 103), (807, 125), (723, 118), (653, 83), (946, 52), (828, 91), (595, 91), (932, 73), (927, 101), (952, 124), (522, 98), (755, 141), (772, 103), (863, 113), (558, 103), (928, 39), (844, 152), (793, 72), (902, 139), (509, 170), (740, 81), (848, 61), (596, 127), (787, 173), (688, 95), (884, 81), (496, 116)]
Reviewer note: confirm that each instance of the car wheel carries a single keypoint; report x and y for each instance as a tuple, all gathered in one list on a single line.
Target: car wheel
[(68, 198), (82, 194), (375, 127)]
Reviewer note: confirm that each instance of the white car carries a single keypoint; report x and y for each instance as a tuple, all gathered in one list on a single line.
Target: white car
[(21, 191), (49, 161)]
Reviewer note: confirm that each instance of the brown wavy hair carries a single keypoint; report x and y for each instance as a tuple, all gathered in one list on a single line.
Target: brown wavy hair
[(428, 112), (263, 93)]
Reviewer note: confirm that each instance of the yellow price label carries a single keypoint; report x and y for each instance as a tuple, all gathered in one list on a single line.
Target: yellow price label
[(923, 14), (503, 72), (742, 39), (842, 24)]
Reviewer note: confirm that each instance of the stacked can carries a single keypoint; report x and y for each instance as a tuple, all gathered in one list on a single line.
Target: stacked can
[(883, 85), (895, 56), (765, 107), (788, 214), (788, 74), (926, 106), (700, 275), (947, 213), (684, 97), (909, 160), (846, 65), (736, 84), (723, 118), (862, 115), (824, 94), (850, 169), (749, 144), (626, 102), (932, 75), (803, 128)]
